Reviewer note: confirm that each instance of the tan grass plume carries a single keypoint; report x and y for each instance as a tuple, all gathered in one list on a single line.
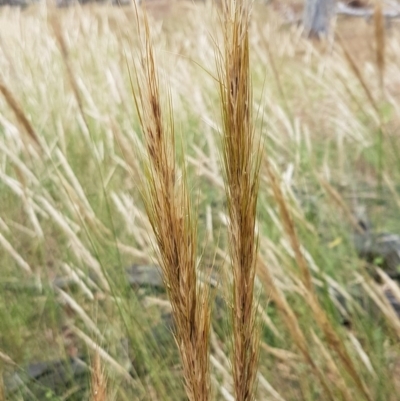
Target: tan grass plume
[(98, 384), (170, 212), (241, 159)]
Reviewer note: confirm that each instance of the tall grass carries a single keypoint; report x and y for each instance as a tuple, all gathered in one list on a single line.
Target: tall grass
[(299, 151), (241, 151), (168, 206)]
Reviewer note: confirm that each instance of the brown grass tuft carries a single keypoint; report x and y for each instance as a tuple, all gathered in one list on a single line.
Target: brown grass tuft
[(19, 113), (98, 380), (241, 157), (170, 212)]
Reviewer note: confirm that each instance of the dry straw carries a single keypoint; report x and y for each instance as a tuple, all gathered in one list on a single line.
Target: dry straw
[(292, 324), (331, 336), (98, 380), (241, 159), (19, 113), (56, 26), (169, 209)]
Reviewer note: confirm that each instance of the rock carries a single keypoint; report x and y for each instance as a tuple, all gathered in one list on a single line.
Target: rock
[(381, 249), (394, 302), (38, 379), (145, 276), (361, 300)]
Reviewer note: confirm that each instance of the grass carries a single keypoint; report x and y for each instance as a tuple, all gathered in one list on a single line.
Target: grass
[(123, 144), (241, 150)]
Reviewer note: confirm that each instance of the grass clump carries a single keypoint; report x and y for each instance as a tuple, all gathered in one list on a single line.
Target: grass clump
[(88, 188)]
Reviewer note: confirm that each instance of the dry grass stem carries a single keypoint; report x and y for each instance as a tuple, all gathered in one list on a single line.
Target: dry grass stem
[(104, 355), (358, 73), (292, 324), (334, 371), (56, 26), (363, 355), (267, 387), (341, 203), (289, 227), (169, 209), (68, 300), (241, 157), (375, 293), (6, 359), (281, 354), (98, 380), (19, 113), (14, 254), (309, 293)]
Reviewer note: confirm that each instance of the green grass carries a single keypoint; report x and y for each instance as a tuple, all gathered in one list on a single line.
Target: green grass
[(66, 208)]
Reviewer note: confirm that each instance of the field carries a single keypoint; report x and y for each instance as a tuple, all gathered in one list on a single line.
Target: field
[(76, 196)]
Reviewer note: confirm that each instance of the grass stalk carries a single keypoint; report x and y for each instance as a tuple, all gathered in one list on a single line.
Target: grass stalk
[(19, 113), (170, 213), (241, 159), (309, 293), (292, 324), (98, 380)]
